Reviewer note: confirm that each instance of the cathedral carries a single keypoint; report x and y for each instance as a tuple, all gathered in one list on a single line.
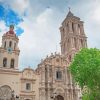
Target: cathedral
[(51, 80)]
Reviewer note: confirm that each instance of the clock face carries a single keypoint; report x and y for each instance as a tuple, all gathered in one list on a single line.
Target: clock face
[(9, 50)]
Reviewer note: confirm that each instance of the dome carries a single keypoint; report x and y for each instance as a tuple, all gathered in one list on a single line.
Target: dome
[(11, 30)]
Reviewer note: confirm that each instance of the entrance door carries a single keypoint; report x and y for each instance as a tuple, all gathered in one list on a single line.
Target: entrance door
[(59, 97), (5, 93)]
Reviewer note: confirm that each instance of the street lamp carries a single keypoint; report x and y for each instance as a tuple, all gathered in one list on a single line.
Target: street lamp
[(12, 95), (53, 96), (17, 97), (80, 98)]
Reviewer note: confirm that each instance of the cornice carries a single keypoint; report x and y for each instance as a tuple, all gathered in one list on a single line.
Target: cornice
[(9, 71)]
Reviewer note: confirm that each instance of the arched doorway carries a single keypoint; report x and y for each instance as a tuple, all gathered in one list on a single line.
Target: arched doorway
[(5, 93), (59, 97)]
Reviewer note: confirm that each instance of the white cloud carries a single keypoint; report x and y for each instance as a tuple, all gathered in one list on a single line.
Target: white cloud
[(18, 6), (89, 12), (95, 11), (3, 29), (96, 14), (39, 38), (93, 23)]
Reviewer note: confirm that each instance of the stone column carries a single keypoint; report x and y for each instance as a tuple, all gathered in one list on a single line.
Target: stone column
[(65, 76), (7, 43), (3, 42), (72, 43), (75, 28), (43, 74), (83, 43), (48, 83), (13, 45), (70, 27), (81, 29), (78, 43), (66, 94), (43, 95), (71, 87), (86, 43), (61, 31), (66, 29), (77, 92), (49, 94)]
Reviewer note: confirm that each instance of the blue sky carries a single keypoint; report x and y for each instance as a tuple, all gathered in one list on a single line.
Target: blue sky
[(10, 17), (37, 24)]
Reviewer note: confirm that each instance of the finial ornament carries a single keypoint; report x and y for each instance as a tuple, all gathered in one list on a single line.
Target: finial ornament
[(11, 27), (11, 30), (69, 8)]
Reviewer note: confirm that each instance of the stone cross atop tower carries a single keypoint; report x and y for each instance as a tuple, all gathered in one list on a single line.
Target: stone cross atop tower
[(9, 51), (73, 37)]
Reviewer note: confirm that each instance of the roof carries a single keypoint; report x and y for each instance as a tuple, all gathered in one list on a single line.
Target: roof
[(11, 30), (69, 14)]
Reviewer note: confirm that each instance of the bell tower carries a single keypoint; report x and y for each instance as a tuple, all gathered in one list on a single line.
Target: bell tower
[(73, 37), (9, 51)]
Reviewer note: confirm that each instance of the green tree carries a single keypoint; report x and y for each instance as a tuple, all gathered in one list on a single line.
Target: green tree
[(85, 69)]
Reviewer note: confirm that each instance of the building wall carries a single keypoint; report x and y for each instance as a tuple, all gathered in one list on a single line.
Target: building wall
[(50, 85), (11, 79), (9, 56), (73, 37), (52, 78)]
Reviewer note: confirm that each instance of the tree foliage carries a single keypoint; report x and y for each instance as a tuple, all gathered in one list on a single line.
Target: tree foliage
[(85, 69)]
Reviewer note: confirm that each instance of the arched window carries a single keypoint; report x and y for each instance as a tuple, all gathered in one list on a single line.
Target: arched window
[(5, 92), (12, 63), (5, 62), (14, 46), (28, 86), (10, 44), (5, 44), (58, 75)]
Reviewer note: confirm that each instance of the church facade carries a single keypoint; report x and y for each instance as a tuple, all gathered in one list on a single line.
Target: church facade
[(51, 80)]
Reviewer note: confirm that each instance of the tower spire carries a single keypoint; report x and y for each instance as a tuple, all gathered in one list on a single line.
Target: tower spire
[(72, 26), (11, 27), (69, 13), (11, 30), (10, 49), (69, 8)]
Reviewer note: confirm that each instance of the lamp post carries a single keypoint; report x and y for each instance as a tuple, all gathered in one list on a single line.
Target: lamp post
[(12, 95), (53, 96), (80, 98), (17, 97)]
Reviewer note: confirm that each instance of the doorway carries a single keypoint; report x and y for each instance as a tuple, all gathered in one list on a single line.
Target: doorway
[(59, 97)]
